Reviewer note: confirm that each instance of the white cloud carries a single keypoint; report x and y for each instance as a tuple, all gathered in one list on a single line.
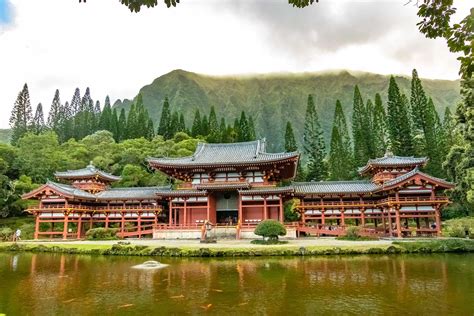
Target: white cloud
[(57, 44)]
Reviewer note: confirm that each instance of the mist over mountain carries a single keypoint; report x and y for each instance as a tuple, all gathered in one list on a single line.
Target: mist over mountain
[(274, 99)]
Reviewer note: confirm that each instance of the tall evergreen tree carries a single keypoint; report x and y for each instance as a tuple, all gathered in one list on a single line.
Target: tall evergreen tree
[(132, 122), (76, 102), (22, 115), (165, 120), (214, 132), (114, 125), (105, 120), (181, 124), (122, 130), (174, 123), (196, 128), (290, 141), (379, 132), (359, 125), (150, 133), (244, 128), (38, 120), (398, 121), (252, 133), (142, 124), (313, 143), (340, 162), (223, 131), (56, 114), (204, 125)]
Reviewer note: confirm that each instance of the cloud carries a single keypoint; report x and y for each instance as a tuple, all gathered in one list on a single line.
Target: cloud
[(102, 45)]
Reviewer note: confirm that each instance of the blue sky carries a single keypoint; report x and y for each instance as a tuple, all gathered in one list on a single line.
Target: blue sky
[(5, 12)]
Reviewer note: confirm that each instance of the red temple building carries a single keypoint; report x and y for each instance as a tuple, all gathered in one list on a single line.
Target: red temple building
[(236, 186)]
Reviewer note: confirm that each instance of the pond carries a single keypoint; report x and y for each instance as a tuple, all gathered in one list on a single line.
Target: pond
[(49, 284)]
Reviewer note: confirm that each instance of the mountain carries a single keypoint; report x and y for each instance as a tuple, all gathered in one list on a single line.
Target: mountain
[(274, 99)]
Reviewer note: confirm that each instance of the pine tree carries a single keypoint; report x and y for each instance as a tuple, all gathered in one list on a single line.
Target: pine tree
[(141, 127), (223, 136), (340, 162), (132, 121), (313, 143), (122, 130), (196, 129), (252, 133), (174, 124), (38, 121), (22, 115), (244, 128), (56, 114), (418, 105), (165, 119), (150, 130), (105, 120), (360, 126), (214, 131), (76, 102), (398, 121), (379, 132), (114, 125), (290, 141), (204, 125), (181, 124)]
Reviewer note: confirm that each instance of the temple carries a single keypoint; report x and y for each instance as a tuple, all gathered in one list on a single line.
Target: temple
[(235, 186)]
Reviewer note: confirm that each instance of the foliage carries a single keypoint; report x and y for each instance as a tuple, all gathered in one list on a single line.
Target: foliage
[(268, 242), (458, 227), (340, 162), (6, 234), (21, 118), (290, 212), (102, 234), (270, 229)]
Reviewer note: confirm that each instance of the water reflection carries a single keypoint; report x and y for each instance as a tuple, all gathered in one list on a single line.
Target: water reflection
[(43, 284)]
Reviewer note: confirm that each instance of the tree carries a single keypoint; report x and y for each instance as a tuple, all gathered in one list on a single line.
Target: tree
[(105, 119), (290, 141), (196, 128), (181, 124), (379, 129), (340, 162), (361, 129), (38, 121), (76, 102), (165, 120), (22, 115), (132, 122), (313, 143), (114, 125), (398, 121), (55, 117), (204, 125), (252, 133), (244, 128), (270, 229), (214, 131), (122, 129)]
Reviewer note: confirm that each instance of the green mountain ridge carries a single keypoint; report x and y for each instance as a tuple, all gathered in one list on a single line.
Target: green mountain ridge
[(273, 99)]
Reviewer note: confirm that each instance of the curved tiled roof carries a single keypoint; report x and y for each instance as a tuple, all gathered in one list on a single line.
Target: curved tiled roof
[(131, 193), (334, 187), (87, 172), (267, 190), (226, 154), (390, 160), (412, 173), (222, 185)]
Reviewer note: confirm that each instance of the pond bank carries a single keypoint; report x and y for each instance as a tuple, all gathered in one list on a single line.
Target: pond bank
[(300, 247)]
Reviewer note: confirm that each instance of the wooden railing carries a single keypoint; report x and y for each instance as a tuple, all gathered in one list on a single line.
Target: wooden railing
[(95, 209)]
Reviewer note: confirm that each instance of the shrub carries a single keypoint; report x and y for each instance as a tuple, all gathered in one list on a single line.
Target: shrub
[(352, 232), (102, 234), (6, 234), (270, 229)]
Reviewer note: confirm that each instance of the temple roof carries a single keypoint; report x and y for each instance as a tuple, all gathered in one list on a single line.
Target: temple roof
[(267, 190), (390, 160), (225, 154), (414, 172), (222, 185), (138, 193), (87, 172), (334, 187)]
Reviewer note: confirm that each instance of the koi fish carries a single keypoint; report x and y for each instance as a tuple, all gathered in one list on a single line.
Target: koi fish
[(178, 296), (126, 305)]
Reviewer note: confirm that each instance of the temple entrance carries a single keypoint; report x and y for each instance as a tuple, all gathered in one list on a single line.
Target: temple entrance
[(227, 208)]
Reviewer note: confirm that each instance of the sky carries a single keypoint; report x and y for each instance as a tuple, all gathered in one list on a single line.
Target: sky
[(64, 44)]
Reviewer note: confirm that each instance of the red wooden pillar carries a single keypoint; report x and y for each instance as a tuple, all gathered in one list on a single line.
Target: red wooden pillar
[(281, 209), (171, 212), (107, 220), (66, 221), (240, 219), (390, 224), (265, 214), (362, 216), (175, 219), (122, 223), (79, 226), (438, 220), (397, 219), (208, 208), (37, 215), (185, 219), (323, 217), (139, 224)]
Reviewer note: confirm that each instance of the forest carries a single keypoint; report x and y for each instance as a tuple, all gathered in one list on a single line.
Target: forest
[(82, 131)]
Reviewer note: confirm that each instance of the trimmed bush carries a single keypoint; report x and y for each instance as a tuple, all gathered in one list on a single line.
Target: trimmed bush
[(270, 229), (6, 234), (352, 232), (102, 234)]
